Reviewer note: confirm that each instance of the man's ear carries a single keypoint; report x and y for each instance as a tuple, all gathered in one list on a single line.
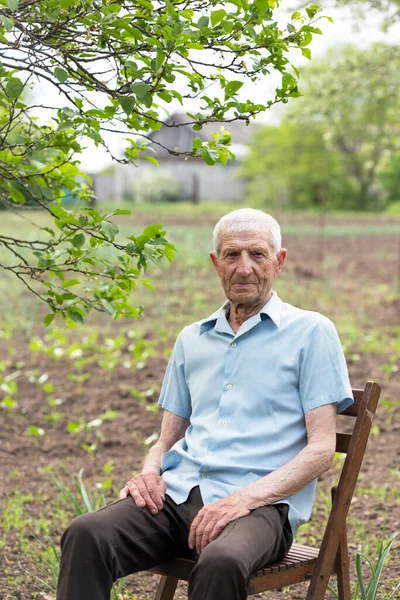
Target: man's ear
[(214, 260), (281, 257)]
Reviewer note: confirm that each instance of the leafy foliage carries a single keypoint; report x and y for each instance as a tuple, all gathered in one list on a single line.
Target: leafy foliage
[(134, 54), (341, 146), (292, 165), (117, 64)]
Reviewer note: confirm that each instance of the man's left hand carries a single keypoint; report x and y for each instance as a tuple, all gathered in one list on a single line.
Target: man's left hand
[(213, 518)]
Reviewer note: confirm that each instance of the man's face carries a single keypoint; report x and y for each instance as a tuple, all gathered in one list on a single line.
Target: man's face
[(247, 266)]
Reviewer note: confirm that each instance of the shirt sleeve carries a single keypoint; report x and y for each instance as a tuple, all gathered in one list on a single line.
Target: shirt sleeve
[(323, 371), (175, 394)]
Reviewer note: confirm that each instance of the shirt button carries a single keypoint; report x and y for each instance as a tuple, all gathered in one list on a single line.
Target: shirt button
[(224, 423), (234, 344), (204, 474), (229, 386)]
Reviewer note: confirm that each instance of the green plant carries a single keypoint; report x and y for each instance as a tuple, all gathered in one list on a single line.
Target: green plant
[(83, 500), (80, 502), (369, 590)]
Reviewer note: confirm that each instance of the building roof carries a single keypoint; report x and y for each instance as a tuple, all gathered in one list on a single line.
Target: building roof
[(240, 132)]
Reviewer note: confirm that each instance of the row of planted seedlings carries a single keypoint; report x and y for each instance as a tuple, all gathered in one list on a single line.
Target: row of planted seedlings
[(129, 350)]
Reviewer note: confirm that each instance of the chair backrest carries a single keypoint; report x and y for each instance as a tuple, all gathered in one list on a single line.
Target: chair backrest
[(354, 444)]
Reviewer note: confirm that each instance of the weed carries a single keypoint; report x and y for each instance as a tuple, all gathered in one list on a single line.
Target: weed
[(369, 590), (79, 501)]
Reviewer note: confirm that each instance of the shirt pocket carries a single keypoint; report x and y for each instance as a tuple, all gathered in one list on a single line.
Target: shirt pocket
[(169, 460)]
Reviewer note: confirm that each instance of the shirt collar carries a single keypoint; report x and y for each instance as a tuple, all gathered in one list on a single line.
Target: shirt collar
[(272, 309)]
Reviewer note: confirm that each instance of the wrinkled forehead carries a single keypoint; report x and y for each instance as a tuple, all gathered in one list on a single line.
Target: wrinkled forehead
[(245, 239)]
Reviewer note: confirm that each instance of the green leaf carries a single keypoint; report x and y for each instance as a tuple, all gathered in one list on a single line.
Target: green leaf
[(127, 103), (60, 212), (74, 427), (8, 402), (12, 5), (217, 16), (14, 87), (262, 7), (195, 45), (197, 143), (151, 159), (295, 15), (203, 22), (16, 195), (49, 230), (75, 316), (70, 283), (232, 87), (35, 431), (307, 39), (140, 89), (153, 230), (78, 240), (61, 75), (210, 156), (160, 58), (121, 211), (147, 283), (296, 70), (312, 10), (228, 25), (8, 24), (288, 81), (146, 4), (110, 308), (48, 319), (165, 96), (306, 52), (109, 229)]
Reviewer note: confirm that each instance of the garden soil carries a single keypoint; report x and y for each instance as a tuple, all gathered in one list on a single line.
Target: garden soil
[(357, 264)]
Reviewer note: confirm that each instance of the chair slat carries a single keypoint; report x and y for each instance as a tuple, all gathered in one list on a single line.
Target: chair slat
[(352, 410)]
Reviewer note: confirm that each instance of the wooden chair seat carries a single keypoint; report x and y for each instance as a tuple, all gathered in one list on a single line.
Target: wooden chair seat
[(304, 563), (299, 564)]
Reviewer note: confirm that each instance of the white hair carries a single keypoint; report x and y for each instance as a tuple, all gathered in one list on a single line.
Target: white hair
[(248, 219)]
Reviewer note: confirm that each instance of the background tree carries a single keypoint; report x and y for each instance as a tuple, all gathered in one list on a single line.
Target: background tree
[(292, 165), (341, 139), (117, 64), (390, 10)]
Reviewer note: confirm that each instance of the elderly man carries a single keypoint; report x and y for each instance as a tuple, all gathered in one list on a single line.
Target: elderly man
[(250, 398)]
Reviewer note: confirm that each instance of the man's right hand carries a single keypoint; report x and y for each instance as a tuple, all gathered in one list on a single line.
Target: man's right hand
[(147, 490)]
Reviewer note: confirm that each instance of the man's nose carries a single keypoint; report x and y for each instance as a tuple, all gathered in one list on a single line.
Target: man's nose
[(244, 264)]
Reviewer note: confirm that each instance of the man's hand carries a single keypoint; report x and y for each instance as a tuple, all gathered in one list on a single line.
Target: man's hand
[(147, 490), (213, 518)]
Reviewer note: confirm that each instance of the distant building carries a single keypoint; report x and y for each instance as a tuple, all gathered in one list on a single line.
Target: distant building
[(193, 179)]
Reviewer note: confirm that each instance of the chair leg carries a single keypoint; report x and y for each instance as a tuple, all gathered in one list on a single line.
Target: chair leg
[(342, 569), (166, 588)]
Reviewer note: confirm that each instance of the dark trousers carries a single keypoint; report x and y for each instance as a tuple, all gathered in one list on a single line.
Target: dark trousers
[(100, 547)]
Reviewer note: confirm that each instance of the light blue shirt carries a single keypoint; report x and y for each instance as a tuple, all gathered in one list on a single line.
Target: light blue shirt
[(246, 395)]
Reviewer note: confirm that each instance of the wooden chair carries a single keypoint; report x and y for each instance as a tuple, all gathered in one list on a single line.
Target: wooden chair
[(304, 563)]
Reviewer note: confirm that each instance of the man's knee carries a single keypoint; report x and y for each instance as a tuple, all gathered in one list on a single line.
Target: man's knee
[(84, 530), (222, 560)]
